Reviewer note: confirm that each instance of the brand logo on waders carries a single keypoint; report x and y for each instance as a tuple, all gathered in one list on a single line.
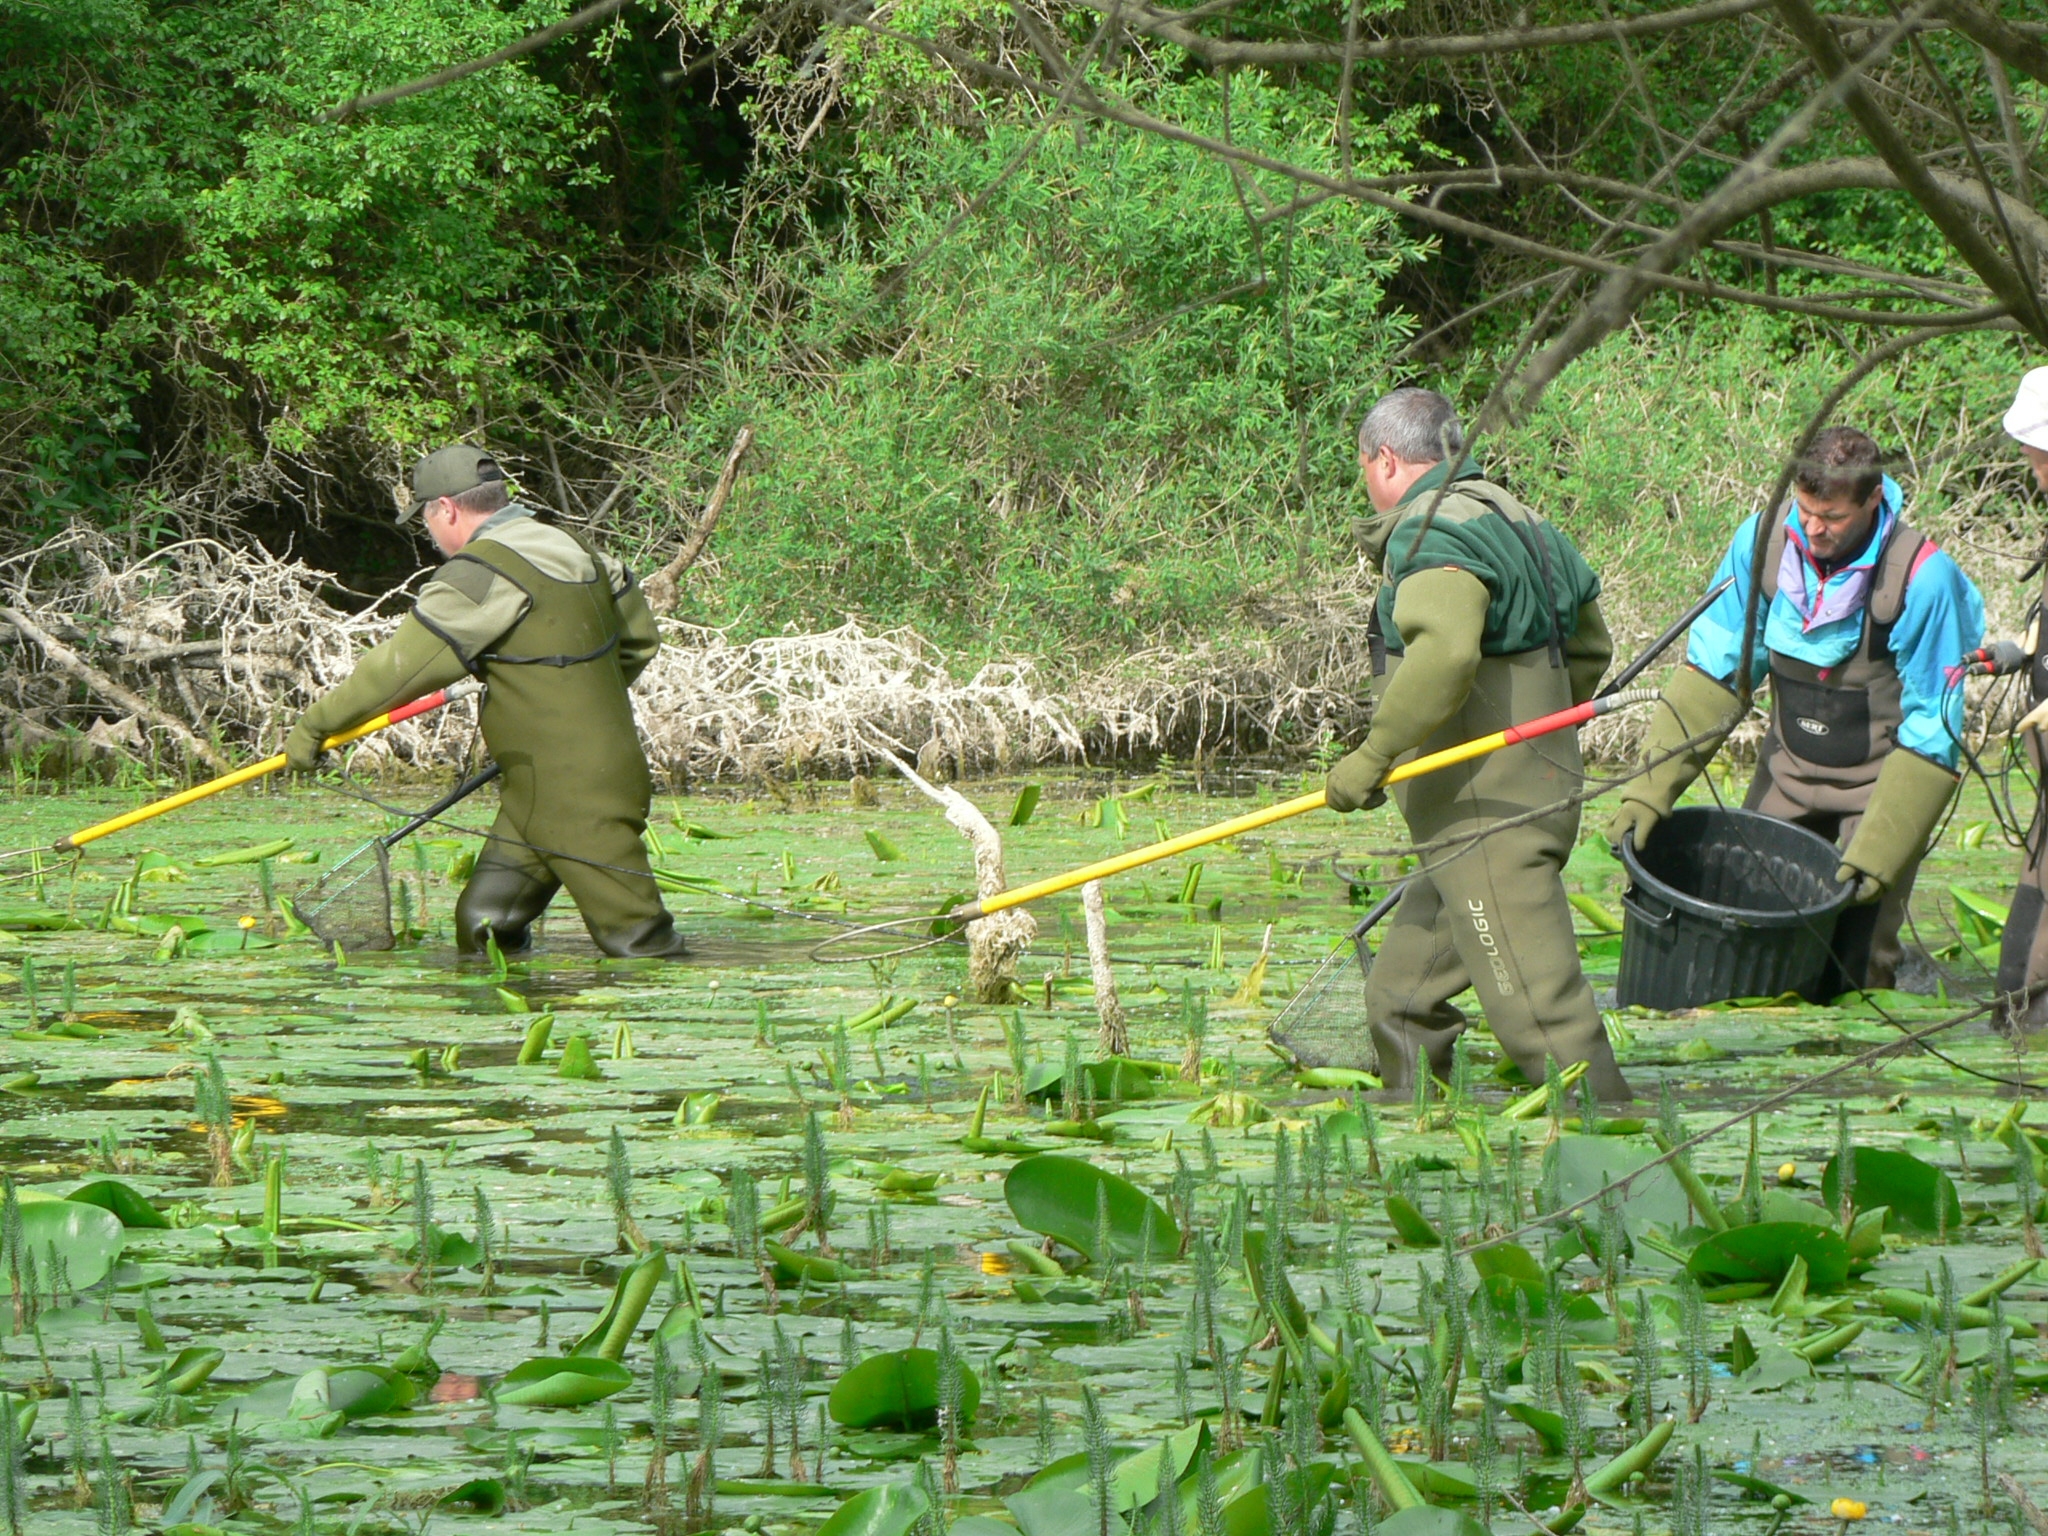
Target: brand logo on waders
[(1489, 941), (1811, 727)]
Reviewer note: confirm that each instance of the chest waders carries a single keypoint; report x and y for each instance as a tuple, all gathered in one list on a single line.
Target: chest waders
[(2023, 948), (559, 720), (1490, 912), (1831, 730)]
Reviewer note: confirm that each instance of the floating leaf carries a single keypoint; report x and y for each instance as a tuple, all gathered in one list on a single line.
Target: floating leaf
[(480, 1495), (1058, 1196), (897, 1390), (1922, 1198), (1588, 1164), (1757, 1488), (255, 853), (130, 1208), (792, 1267), (1431, 1520), (87, 1239), (884, 851), (1764, 1253), (566, 1382), (1026, 806), (893, 1509)]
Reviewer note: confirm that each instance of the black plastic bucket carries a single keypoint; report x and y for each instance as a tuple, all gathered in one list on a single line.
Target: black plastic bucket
[(1725, 903)]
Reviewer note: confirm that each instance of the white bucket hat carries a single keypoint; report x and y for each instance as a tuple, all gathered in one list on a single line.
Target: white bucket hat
[(2028, 418)]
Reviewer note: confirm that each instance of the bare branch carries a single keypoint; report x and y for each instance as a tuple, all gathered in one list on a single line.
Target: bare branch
[(1818, 39), (661, 587), (531, 43), (1998, 37), (1172, 27)]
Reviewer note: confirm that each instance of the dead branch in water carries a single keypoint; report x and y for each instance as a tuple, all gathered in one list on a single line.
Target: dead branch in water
[(1115, 1033), (994, 944)]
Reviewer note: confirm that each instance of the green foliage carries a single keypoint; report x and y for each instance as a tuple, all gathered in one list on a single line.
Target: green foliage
[(182, 222)]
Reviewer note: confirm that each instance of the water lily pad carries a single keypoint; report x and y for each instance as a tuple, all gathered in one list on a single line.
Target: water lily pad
[(86, 1239), (1922, 1198), (1431, 1520), (898, 1390), (112, 1195), (1763, 1254), (565, 1382), (1059, 1197), (889, 1510), (792, 1267)]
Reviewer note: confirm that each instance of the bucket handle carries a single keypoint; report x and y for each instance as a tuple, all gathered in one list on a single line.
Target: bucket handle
[(1635, 901)]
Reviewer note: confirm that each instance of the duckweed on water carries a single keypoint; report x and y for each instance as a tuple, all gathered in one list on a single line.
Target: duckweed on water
[(298, 1241)]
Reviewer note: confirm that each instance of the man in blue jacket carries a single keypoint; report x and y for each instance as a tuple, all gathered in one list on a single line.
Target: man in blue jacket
[(1862, 630)]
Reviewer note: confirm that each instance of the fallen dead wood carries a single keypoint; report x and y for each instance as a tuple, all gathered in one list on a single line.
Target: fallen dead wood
[(1113, 1029), (69, 662), (994, 944)]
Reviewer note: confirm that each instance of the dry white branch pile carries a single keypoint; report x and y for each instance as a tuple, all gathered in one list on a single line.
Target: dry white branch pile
[(233, 642)]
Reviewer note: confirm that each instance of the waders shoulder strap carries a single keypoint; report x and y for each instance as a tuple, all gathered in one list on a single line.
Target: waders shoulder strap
[(1900, 560)]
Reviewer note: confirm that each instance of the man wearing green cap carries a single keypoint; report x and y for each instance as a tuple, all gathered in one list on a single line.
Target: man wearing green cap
[(1487, 616), (558, 632)]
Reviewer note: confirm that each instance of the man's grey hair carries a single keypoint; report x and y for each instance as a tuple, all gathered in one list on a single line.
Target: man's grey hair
[(491, 496), (1420, 425)]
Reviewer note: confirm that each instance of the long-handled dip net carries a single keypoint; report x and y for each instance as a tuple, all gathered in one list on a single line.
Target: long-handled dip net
[(1324, 1024), (351, 904)]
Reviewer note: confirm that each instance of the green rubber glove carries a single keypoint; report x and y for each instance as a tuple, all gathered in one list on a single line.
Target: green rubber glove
[(1634, 819), (1908, 800), (1692, 704), (303, 746), (413, 662), (1357, 782)]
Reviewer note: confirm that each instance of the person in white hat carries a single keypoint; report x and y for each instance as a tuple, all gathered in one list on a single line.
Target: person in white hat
[(2023, 952)]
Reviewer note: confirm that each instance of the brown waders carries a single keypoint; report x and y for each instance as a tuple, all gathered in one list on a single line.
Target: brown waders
[(1844, 721), (1490, 911)]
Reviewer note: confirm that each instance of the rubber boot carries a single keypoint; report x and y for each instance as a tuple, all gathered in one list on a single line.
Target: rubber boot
[(653, 938), (501, 901)]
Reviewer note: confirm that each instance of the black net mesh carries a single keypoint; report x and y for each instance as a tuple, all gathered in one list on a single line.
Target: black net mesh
[(350, 905), (1323, 1024)]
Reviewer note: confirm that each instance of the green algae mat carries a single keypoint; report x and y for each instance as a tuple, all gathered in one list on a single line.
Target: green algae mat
[(786, 1239)]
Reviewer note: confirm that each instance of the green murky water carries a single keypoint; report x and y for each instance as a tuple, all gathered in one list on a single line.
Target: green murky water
[(379, 1103)]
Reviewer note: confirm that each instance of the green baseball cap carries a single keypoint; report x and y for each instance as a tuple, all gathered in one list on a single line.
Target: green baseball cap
[(449, 472)]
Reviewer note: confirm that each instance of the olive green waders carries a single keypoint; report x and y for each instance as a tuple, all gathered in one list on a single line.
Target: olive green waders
[(1490, 910), (559, 721)]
